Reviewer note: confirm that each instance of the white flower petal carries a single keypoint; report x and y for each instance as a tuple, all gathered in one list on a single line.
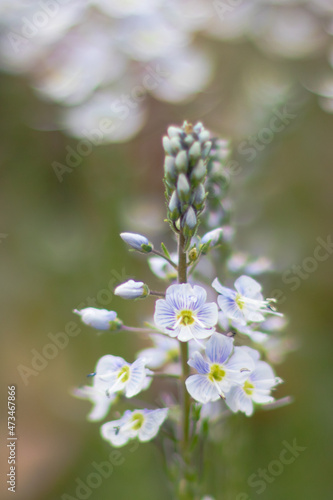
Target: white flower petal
[(201, 389), (218, 348)]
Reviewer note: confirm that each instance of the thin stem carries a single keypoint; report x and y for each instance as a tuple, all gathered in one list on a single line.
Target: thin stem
[(160, 254), (163, 375), (158, 294), (186, 403)]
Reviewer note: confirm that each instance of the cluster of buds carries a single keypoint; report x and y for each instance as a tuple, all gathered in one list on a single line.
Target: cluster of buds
[(185, 168), (217, 184)]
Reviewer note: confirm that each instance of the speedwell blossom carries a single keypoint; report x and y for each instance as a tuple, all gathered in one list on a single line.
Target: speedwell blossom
[(114, 374), (185, 314), (256, 388), (101, 319), (225, 366), (141, 424), (132, 290), (99, 398), (246, 303)]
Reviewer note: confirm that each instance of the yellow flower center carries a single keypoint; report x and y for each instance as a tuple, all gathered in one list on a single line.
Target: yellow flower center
[(248, 388), (137, 420), (216, 373), (186, 317), (124, 373), (239, 301)]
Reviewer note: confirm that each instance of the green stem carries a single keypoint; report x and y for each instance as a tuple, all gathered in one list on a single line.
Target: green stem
[(160, 254), (186, 403)]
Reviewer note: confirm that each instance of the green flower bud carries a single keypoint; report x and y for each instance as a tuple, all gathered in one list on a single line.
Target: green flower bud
[(198, 198), (174, 207), (206, 149), (193, 254), (189, 222), (182, 161), (198, 173), (183, 188)]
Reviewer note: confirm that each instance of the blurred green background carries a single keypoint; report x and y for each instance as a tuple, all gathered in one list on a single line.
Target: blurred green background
[(61, 245)]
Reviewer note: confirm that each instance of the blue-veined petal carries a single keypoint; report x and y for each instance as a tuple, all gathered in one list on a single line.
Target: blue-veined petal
[(198, 363), (201, 389), (218, 348)]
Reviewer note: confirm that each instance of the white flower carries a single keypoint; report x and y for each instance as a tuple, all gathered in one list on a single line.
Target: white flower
[(184, 313), (246, 303), (100, 400), (132, 290), (213, 237), (225, 366), (114, 374), (141, 424), (255, 389), (101, 319), (137, 241)]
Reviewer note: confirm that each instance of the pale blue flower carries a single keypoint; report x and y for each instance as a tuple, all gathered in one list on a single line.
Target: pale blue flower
[(137, 241), (99, 398), (214, 237), (184, 313), (101, 319), (141, 424), (246, 304), (165, 350), (255, 389), (132, 290), (224, 366), (113, 374)]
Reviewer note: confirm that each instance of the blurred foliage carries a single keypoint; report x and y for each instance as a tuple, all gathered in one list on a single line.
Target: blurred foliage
[(62, 247)]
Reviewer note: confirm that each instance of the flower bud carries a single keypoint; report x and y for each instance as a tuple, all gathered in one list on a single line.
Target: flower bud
[(174, 206), (175, 145), (182, 161), (137, 241), (198, 173), (183, 188), (189, 222), (204, 136), (174, 132), (132, 290), (212, 237), (195, 151), (198, 198), (101, 319), (170, 169), (167, 145), (206, 149)]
